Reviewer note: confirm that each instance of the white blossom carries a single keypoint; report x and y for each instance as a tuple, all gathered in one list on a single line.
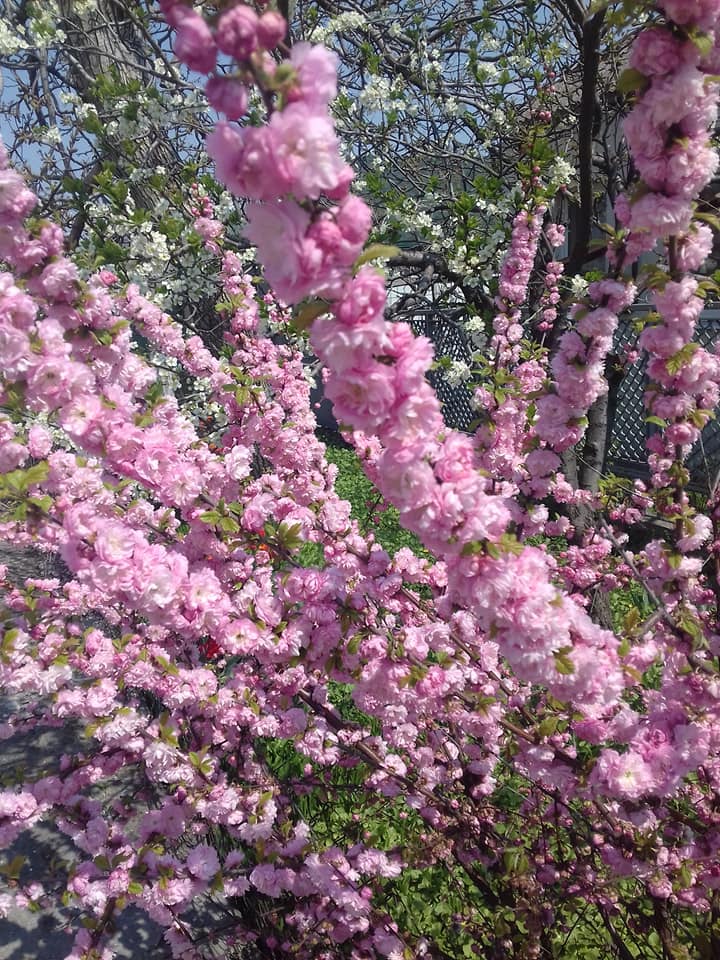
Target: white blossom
[(578, 287), (457, 373), (561, 172), (11, 38)]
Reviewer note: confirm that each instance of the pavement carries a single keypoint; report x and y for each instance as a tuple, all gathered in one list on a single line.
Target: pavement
[(48, 933)]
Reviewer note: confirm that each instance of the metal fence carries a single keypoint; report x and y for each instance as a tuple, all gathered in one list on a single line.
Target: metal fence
[(449, 340), (627, 455), (626, 452)]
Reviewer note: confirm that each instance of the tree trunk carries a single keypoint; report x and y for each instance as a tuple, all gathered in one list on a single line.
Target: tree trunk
[(104, 42)]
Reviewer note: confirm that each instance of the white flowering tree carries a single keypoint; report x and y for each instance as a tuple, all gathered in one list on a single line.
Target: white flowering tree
[(448, 103), (99, 113)]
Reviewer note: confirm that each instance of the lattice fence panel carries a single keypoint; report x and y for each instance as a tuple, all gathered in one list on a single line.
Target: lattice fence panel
[(626, 452), (449, 341)]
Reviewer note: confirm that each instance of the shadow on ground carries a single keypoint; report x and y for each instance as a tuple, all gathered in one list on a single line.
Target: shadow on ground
[(48, 853)]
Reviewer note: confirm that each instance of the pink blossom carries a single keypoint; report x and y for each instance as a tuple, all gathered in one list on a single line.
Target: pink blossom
[(663, 341), (306, 151), (279, 232), (702, 13), (18, 309), (364, 394), (58, 281), (271, 29), (340, 347), (238, 461), (695, 532), (14, 350), (194, 43), (115, 543), (694, 248), (39, 441), (363, 300), (660, 216), (237, 32), (317, 73), (541, 463), (354, 219), (600, 322), (268, 880), (557, 422), (16, 201), (245, 161), (107, 278), (626, 775), (227, 96), (656, 51), (12, 455), (203, 862)]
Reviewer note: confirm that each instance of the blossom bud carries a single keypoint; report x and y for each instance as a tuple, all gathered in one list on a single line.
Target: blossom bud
[(194, 43), (271, 29), (227, 96), (237, 32)]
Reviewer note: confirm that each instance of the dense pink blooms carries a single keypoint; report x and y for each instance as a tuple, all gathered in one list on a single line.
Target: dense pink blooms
[(242, 159), (316, 69), (657, 51), (271, 29), (215, 645), (292, 262), (702, 13), (306, 151)]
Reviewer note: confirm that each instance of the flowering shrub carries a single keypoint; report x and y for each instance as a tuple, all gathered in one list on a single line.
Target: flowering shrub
[(467, 725)]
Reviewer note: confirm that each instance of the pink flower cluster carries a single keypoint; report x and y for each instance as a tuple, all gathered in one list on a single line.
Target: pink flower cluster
[(513, 285), (578, 367), (213, 644), (669, 134), (667, 131), (377, 383), (550, 298)]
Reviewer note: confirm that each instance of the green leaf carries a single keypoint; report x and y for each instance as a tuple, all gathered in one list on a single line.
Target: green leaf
[(12, 869), (548, 726), (658, 421), (92, 124), (704, 42), (631, 80), (228, 525), (377, 251), (307, 312), (37, 473), (41, 503), (678, 360), (625, 647), (289, 535), (712, 219), (631, 619), (563, 664), (693, 628)]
